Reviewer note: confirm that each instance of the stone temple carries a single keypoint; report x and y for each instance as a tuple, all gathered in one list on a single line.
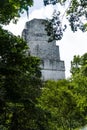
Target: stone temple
[(51, 65)]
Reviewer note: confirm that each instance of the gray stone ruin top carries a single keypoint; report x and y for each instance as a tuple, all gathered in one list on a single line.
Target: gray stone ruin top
[(37, 40)]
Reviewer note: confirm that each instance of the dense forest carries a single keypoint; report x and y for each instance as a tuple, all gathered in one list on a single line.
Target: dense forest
[(27, 102)]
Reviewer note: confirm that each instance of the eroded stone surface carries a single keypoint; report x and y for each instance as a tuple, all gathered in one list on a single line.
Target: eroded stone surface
[(37, 40)]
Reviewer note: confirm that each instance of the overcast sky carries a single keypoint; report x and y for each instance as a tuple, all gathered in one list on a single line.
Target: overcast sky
[(71, 43)]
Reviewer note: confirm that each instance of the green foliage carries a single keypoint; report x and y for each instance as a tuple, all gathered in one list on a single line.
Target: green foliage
[(79, 65), (54, 27), (75, 64), (19, 83), (11, 9), (75, 11), (47, 2), (66, 102)]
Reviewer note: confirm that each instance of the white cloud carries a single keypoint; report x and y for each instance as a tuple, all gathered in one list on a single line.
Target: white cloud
[(70, 45), (16, 29), (44, 12), (37, 13)]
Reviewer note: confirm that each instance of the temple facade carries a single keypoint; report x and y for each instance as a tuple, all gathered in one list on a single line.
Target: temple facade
[(52, 67)]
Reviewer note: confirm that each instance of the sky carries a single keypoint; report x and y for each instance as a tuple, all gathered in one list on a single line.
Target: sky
[(71, 43)]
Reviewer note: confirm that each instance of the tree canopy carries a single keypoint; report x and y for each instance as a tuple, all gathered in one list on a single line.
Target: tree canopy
[(20, 82), (20, 74), (79, 65), (12, 9), (66, 100), (75, 11), (66, 103), (26, 103)]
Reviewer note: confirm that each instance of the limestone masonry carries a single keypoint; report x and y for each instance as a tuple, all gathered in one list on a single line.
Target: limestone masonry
[(51, 65)]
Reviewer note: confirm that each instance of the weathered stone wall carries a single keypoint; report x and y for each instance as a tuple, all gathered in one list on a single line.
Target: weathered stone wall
[(37, 39)]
